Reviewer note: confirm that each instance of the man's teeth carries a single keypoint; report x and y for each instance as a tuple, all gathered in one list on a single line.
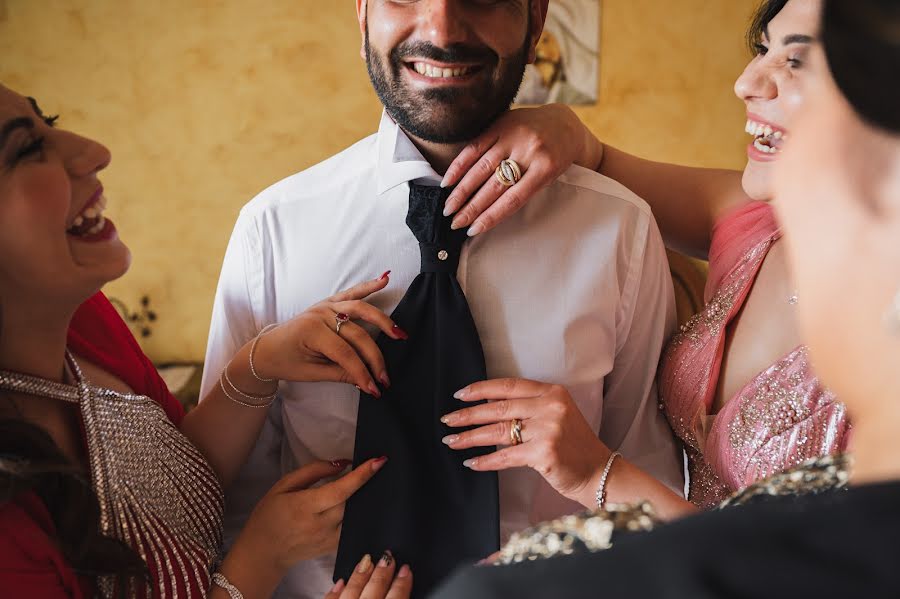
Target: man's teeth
[(423, 68)]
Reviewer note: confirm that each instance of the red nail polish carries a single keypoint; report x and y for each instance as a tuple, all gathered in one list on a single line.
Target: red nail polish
[(374, 391), (377, 464), (385, 275), (341, 463), (400, 333)]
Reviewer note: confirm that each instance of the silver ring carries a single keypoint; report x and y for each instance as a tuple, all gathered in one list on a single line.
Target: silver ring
[(340, 318), (508, 173), (515, 432)]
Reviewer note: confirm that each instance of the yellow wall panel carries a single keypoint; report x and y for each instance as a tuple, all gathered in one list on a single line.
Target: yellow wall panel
[(206, 102)]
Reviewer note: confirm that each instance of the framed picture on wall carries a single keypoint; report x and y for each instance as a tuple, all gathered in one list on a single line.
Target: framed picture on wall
[(568, 56)]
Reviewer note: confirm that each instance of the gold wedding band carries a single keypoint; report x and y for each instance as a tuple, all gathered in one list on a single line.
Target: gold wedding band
[(515, 432), (508, 173)]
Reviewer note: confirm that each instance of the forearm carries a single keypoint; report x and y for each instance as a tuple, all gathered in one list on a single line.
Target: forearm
[(685, 200), (224, 430), (627, 483)]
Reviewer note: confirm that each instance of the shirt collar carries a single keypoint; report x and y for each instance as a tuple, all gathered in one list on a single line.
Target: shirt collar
[(399, 160)]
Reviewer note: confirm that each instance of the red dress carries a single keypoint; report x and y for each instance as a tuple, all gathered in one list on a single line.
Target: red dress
[(30, 563)]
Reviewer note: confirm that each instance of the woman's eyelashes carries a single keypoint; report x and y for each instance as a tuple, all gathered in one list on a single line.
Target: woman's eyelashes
[(32, 147), (50, 121)]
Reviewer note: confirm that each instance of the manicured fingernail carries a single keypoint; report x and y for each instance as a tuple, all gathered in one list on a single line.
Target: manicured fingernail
[(448, 206), (475, 229), (462, 393), (338, 587), (383, 377), (450, 439), (341, 463), (387, 558), (458, 223), (365, 564), (471, 463), (400, 333), (374, 391), (404, 572), (378, 463), (386, 274), (449, 418)]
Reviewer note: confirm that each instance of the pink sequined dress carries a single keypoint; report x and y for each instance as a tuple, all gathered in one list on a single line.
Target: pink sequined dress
[(780, 418)]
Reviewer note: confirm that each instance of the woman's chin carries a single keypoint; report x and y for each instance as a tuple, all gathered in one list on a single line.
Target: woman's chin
[(757, 181), (111, 265)]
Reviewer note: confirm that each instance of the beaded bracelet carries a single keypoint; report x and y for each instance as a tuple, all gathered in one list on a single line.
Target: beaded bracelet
[(601, 490)]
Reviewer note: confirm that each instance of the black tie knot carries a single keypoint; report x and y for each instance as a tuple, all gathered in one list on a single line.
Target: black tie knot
[(440, 245)]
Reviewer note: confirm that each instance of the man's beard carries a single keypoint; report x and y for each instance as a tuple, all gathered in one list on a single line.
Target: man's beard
[(446, 114)]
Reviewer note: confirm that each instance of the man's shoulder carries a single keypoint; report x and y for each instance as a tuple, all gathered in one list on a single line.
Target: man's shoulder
[(601, 189), (318, 181)]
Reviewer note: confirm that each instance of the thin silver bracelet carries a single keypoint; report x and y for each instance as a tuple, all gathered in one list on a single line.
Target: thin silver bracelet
[(247, 396), (253, 350), (246, 404), (601, 490), (219, 580)]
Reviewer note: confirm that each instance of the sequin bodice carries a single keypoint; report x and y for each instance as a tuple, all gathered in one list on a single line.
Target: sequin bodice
[(156, 491), (781, 418)]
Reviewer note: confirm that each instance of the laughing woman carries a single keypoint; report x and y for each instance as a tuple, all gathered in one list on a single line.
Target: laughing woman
[(106, 487), (736, 382)]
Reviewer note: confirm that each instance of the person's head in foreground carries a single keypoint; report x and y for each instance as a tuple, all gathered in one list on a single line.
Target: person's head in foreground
[(838, 194), (837, 191)]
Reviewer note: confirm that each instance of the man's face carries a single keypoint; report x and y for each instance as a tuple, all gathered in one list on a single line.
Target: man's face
[(446, 69)]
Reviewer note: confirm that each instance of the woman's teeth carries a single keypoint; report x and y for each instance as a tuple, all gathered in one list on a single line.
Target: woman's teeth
[(91, 221), (767, 139), (759, 145), (423, 68)]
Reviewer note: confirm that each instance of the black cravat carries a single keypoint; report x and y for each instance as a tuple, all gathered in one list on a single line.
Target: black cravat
[(432, 512)]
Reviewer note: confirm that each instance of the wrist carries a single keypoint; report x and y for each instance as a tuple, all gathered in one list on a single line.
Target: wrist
[(252, 572), (242, 376), (587, 495), (593, 149)]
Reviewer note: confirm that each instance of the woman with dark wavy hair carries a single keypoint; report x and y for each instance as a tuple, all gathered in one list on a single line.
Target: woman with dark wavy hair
[(106, 487), (736, 382), (838, 195)]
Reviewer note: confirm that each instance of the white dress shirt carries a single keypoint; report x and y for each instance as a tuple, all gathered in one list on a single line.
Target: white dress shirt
[(573, 289)]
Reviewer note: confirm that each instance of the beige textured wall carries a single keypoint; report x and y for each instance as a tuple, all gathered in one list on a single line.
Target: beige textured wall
[(205, 102)]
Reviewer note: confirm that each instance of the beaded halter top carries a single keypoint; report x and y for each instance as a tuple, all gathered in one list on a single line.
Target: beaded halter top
[(157, 493)]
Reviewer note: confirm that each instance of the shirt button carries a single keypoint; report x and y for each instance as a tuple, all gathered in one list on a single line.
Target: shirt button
[(443, 255)]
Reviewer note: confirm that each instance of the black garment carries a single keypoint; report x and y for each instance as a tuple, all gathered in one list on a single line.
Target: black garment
[(842, 544), (432, 512)]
